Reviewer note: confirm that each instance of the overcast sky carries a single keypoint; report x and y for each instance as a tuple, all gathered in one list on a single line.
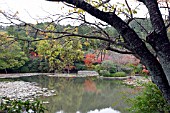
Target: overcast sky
[(31, 8), (42, 8)]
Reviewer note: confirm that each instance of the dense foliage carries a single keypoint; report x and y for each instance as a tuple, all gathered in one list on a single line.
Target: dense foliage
[(48, 55), (150, 101), (19, 106), (11, 56)]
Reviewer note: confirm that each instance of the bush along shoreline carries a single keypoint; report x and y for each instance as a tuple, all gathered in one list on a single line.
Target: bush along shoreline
[(18, 106), (150, 100)]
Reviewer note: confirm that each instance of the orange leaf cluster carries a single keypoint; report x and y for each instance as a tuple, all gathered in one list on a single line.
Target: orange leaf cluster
[(89, 59)]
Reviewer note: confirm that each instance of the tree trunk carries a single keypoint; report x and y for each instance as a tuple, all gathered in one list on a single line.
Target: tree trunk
[(68, 70), (158, 39), (6, 71)]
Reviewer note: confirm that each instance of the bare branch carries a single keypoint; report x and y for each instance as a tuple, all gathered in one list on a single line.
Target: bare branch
[(143, 1), (118, 51), (130, 10), (104, 2)]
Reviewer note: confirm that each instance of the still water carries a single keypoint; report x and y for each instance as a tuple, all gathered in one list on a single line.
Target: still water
[(84, 95)]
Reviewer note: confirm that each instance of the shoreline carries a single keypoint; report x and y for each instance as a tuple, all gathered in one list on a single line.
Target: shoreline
[(18, 89), (71, 75), (129, 80), (18, 75)]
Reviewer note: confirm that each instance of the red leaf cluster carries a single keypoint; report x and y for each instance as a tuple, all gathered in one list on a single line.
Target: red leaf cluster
[(89, 59), (145, 70)]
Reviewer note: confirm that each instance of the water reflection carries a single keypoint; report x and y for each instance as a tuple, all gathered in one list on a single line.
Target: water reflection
[(88, 95), (106, 110)]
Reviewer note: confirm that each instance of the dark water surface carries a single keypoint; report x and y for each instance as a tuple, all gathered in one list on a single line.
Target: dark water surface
[(84, 95)]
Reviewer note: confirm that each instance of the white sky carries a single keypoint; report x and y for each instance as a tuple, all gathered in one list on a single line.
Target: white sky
[(39, 8), (31, 8)]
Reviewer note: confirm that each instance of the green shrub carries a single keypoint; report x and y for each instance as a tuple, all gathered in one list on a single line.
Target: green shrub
[(98, 68), (43, 66), (109, 66), (24, 69), (80, 66), (149, 101), (127, 70), (136, 69), (104, 73), (18, 106), (34, 64), (119, 74)]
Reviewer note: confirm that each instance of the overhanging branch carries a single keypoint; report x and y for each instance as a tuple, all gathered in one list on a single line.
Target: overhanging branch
[(118, 51)]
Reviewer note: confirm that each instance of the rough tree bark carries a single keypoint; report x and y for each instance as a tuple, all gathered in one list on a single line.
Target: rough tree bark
[(159, 41), (159, 70)]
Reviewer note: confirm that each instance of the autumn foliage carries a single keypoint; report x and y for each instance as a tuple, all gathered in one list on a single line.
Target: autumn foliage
[(145, 70), (89, 59)]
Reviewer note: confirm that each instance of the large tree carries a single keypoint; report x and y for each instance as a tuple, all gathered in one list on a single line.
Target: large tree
[(159, 64), (11, 54), (152, 48)]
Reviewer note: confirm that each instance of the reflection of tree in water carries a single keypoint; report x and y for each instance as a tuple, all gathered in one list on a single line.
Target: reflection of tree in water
[(102, 96), (90, 86), (68, 96), (79, 94)]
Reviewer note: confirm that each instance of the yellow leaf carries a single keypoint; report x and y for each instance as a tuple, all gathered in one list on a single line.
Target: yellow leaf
[(76, 29)]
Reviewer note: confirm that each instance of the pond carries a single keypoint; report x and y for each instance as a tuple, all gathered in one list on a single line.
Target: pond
[(84, 95)]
